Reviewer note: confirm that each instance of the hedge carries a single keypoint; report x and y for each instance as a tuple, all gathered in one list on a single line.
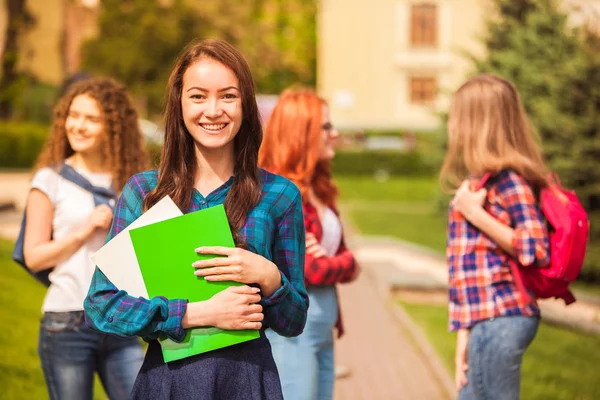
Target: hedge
[(20, 143), (392, 162)]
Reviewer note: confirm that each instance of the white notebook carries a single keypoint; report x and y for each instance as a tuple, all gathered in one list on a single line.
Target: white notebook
[(117, 259)]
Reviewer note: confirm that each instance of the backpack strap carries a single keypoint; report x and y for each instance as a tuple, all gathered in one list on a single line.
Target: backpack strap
[(101, 195), (513, 266), (484, 179)]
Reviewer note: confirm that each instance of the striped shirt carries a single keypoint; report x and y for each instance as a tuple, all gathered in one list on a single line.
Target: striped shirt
[(481, 284), (273, 229)]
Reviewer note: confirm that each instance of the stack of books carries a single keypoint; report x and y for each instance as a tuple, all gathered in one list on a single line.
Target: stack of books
[(153, 257)]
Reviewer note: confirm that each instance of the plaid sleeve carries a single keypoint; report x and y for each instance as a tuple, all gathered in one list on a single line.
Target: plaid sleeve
[(330, 270), (110, 310), (285, 310), (530, 239)]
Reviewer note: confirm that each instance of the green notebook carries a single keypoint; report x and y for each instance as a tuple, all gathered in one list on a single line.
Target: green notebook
[(165, 253)]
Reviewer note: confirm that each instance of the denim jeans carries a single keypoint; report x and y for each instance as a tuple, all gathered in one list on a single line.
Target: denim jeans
[(305, 363), (71, 352), (496, 348)]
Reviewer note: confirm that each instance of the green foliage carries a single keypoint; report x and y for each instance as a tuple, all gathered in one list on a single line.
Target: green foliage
[(277, 37), (370, 162), (20, 143), (35, 102), (139, 41), (557, 72)]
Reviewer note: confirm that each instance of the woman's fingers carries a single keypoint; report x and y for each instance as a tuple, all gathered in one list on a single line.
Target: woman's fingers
[(253, 325), (256, 317), (217, 250), (253, 299), (227, 270), (316, 251), (311, 241), (244, 289), (213, 262), (255, 308)]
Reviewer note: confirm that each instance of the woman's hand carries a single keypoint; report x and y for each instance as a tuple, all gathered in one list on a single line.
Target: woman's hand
[(469, 202), (100, 218), (461, 359), (239, 265), (234, 308), (313, 247)]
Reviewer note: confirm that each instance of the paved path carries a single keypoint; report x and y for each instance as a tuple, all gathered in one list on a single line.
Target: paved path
[(379, 348)]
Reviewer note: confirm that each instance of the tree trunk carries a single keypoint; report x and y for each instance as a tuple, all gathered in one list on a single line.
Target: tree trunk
[(18, 20)]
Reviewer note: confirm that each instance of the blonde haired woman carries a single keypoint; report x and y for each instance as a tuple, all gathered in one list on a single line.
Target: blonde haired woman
[(488, 230)]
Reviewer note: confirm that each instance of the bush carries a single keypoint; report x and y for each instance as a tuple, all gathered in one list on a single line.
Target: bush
[(20, 143), (369, 162)]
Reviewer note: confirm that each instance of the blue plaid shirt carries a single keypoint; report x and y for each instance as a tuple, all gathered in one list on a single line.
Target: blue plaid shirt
[(273, 229)]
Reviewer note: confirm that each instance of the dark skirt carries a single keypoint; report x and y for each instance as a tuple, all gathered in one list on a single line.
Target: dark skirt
[(245, 371)]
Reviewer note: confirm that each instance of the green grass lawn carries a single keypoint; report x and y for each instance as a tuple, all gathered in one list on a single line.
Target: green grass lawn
[(559, 365), (400, 207), (20, 303)]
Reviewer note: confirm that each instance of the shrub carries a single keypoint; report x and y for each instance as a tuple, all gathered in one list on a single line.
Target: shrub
[(20, 143), (370, 162)]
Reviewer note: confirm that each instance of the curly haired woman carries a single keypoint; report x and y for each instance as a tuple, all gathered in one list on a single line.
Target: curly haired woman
[(95, 135)]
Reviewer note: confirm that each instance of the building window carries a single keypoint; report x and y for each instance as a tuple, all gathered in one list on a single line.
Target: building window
[(423, 90), (423, 25)]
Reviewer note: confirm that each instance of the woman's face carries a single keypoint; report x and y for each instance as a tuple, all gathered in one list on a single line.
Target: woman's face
[(211, 104), (85, 125), (328, 136)]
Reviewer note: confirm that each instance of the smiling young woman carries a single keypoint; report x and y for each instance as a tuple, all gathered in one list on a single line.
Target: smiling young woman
[(95, 135), (212, 137)]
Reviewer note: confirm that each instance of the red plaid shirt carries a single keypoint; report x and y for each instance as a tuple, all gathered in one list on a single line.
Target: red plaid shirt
[(326, 270), (481, 284), (339, 268)]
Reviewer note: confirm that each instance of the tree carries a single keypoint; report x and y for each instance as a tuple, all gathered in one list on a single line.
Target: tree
[(138, 42), (12, 82), (139, 39), (278, 37), (556, 70)]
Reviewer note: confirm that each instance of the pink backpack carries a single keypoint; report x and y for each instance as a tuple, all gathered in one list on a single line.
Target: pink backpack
[(568, 230)]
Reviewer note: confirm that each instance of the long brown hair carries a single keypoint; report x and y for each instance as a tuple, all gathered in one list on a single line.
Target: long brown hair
[(177, 166), (124, 149), (293, 143), (488, 131)]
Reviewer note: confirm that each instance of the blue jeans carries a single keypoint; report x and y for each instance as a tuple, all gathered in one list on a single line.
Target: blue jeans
[(70, 352), (305, 363), (496, 348)]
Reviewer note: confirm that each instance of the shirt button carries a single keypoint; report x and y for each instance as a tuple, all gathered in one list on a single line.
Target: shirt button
[(203, 202), (110, 319)]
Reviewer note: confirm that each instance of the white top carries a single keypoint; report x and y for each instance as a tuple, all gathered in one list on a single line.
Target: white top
[(70, 279), (332, 232)]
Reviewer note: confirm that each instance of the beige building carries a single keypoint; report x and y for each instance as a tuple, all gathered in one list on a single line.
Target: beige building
[(392, 64), (51, 49)]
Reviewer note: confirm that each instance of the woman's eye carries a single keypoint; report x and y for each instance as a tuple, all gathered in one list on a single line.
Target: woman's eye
[(230, 96), (197, 96)]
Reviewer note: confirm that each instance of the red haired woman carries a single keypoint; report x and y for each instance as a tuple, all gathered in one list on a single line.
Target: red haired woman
[(299, 144)]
